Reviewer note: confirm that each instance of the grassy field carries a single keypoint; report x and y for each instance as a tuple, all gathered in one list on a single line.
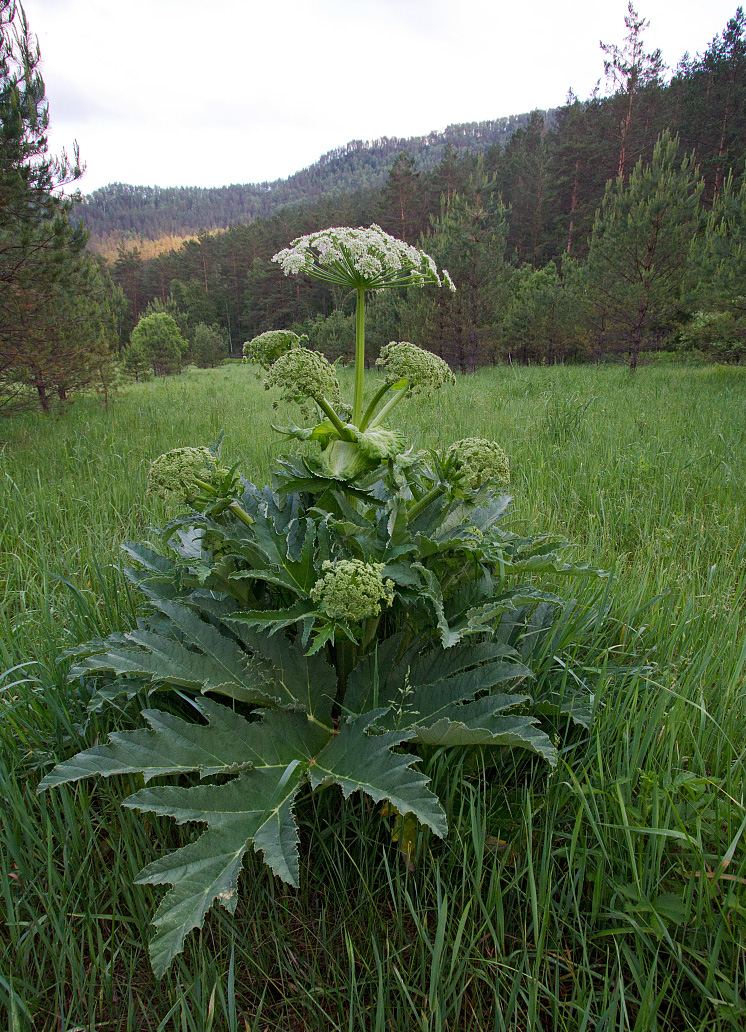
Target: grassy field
[(611, 895)]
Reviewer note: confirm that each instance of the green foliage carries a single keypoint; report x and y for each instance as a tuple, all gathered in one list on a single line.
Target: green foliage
[(719, 257), (339, 625), (209, 347), (638, 263), (720, 335), (547, 317), (334, 336), (56, 320), (623, 845), (136, 363), (469, 239), (157, 341)]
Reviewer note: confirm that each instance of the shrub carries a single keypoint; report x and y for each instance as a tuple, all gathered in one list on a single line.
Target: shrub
[(157, 341), (209, 348)]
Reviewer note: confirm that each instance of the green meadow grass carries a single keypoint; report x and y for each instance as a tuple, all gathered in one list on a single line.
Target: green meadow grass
[(610, 895)]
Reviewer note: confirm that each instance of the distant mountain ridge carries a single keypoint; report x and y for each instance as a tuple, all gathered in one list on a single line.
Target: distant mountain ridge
[(120, 212)]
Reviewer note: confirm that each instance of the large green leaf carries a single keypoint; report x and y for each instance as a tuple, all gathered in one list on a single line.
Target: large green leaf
[(284, 558), (271, 755), (361, 762), (431, 700), (296, 680), (226, 744), (432, 592), (486, 615), (381, 676), (201, 872), (155, 563), (438, 664), (256, 807), (483, 723), (226, 668), (276, 619)]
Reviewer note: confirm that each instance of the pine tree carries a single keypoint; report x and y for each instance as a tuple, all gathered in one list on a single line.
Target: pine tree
[(719, 328), (523, 178), (725, 66), (545, 321), (638, 262), (53, 312), (631, 72), (469, 240), (400, 208)]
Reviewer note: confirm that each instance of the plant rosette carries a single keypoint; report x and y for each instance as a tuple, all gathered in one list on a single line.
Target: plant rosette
[(333, 637), (322, 633)]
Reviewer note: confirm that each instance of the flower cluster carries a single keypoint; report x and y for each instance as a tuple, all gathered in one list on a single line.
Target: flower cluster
[(367, 259), (267, 347), (178, 472), (352, 590), (424, 371), (479, 462), (301, 374)]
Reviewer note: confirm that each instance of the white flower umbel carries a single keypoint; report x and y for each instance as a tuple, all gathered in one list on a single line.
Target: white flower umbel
[(366, 259), (360, 259)]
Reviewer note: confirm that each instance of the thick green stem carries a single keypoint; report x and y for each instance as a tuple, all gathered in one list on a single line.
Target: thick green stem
[(205, 485), (368, 415), (240, 514), (357, 401), (369, 630), (390, 404), (428, 497), (234, 507), (334, 419)]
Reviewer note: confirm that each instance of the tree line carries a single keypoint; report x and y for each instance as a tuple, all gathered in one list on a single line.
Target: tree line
[(140, 213), (516, 222), (616, 226)]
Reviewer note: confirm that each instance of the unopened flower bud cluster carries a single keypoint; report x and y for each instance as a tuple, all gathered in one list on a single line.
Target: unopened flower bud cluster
[(301, 374), (174, 472), (267, 347), (480, 461), (352, 590), (424, 371)]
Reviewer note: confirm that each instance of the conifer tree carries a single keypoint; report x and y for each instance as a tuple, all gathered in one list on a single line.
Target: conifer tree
[(469, 240), (399, 208), (545, 322), (638, 262), (725, 65), (631, 71), (523, 178), (719, 328), (52, 307)]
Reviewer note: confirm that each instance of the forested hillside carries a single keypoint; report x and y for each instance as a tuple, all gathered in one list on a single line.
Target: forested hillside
[(527, 229), (121, 211), (610, 226)]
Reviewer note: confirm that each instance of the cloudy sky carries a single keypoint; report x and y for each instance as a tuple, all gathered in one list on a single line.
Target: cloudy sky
[(210, 92)]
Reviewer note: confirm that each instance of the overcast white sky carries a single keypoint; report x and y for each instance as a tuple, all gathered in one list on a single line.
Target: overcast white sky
[(210, 92)]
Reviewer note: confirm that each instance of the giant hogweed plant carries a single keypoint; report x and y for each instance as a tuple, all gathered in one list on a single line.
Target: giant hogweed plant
[(328, 630)]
